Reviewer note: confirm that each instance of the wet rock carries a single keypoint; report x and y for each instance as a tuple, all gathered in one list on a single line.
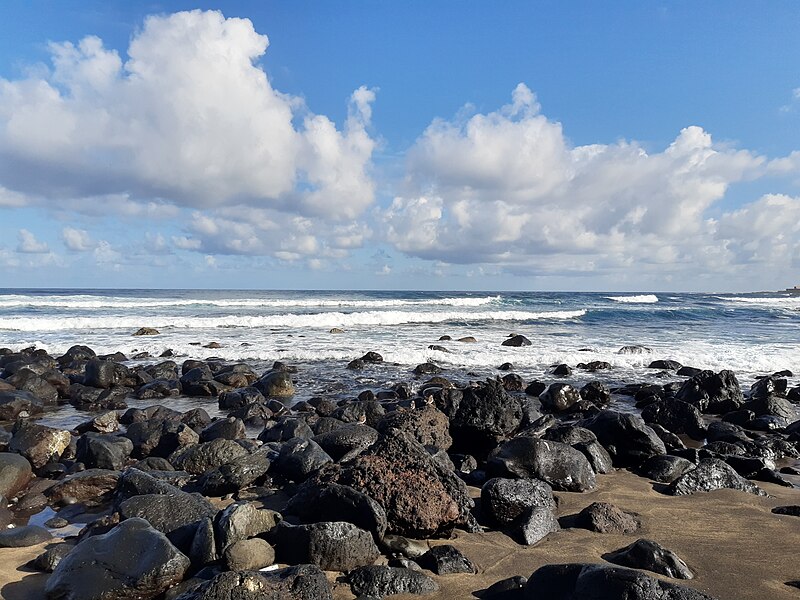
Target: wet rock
[(397, 544), (285, 429), (446, 560), (535, 388), (574, 581), (299, 458), (316, 501), (603, 517), (103, 451), (665, 468), (26, 380), (107, 422), (651, 556), (381, 581), (242, 521), (665, 365), (38, 443), (710, 392), (596, 393), (562, 370), (275, 384), (347, 441), (199, 458), (145, 331), (792, 510), (237, 474), (428, 425), (160, 437), (560, 465), (239, 398), (626, 437), (427, 368), (22, 537), (559, 397), (333, 546), (175, 515), (101, 374), (505, 500), (228, 429), (516, 341), (712, 474), (48, 560), (362, 411), (15, 474), (249, 555), (15, 403), (303, 582), (535, 525), (95, 569), (676, 416), (90, 486)]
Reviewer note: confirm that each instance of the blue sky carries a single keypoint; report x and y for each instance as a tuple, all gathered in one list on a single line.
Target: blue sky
[(649, 147)]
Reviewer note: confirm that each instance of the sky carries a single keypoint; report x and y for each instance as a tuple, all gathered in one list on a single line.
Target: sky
[(449, 145)]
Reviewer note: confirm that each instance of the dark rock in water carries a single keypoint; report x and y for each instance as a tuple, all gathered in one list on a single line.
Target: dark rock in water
[(14, 403), (90, 486), (585, 581), (356, 364), (303, 582), (237, 474), (603, 517), (369, 411), (535, 388), (48, 560), (484, 416), (159, 388), (506, 589), (676, 416), (15, 474), (793, 510), (710, 392), (446, 560), (22, 537), (771, 405), (372, 357), (333, 502), (145, 331), (107, 422), (626, 437), (428, 425), (513, 383), (505, 500), (596, 393), (516, 341), (299, 458), (199, 458), (665, 468), (332, 546), (634, 350), (38, 443), (666, 365), (160, 437), (559, 397), (275, 384), (249, 555), (380, 581), (427, 368), (103, 451), (562, 370), (651, 556), (506, 366), (420, 496), (175, 515), (239, 398), (26, 380), (76, 353), (241, 521), (103, 373), (560, 465), (96, 569), (712, 474), (535, 525), (347, 441)]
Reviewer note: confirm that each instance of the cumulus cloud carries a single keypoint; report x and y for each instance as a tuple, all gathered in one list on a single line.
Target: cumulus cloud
[(28, 244), (77, 240), (187, 117), (507, 188)]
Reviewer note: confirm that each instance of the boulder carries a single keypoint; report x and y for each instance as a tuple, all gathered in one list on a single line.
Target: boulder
[(48, 560), (37, 443), (299, 458), (446, 560), (626, 437), (103, 451), (516, 341), (379, 581), (676, 416), (315, 501), (227, 429), (665, 468), (560, 465), (241, 472), (303, 582), (712, 474), (145, 331), (333, 546), (559, 397), (199, 458), (26, 380), (175, 515), (96, 569), (347, 441), (91, 486), (651, 556), (603, 517), (505, 500), (710, 392), (584, 441), (596, 392), (22, 537), (665, 365), (535, 525), (249, 555), (585, 581), (159, 437), (242, 521), (15, 474), (428, 425), (16, 403), (275, 384)]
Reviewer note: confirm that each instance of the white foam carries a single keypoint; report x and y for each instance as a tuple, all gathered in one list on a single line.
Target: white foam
[(81, 302), (317, 320), (640, 299), (777, 302)]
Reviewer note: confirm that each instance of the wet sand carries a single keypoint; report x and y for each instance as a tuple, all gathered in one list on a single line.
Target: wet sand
[(736, 547)]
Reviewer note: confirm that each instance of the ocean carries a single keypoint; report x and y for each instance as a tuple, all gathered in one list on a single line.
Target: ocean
[(752, 334)]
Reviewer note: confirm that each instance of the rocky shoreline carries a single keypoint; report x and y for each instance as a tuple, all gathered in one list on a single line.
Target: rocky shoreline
[(407, 490)]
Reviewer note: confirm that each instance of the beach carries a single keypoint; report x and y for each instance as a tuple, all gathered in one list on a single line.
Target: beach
[(347, 432)]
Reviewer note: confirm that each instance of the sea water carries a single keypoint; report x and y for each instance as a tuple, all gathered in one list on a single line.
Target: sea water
[(753, 334)]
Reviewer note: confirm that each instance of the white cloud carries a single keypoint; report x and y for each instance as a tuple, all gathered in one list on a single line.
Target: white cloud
[(188, 118), (507, 188), (11, 199), (77, 240), (28, 244)]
